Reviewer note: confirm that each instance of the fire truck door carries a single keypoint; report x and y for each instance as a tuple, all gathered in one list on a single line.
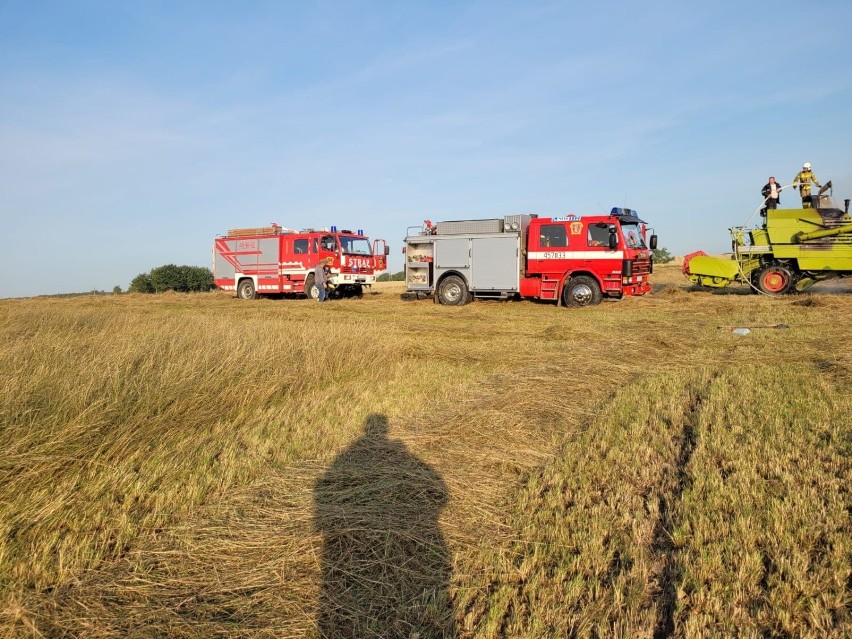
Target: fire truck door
[(328, 243), (301, 252), (549, 246), (380, 252)]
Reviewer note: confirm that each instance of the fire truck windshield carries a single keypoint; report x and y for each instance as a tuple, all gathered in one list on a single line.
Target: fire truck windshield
[(632, 236), (355, 245)]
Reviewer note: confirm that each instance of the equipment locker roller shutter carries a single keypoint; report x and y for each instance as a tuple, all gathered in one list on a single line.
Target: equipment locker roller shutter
[(452, 253), (494, 263)]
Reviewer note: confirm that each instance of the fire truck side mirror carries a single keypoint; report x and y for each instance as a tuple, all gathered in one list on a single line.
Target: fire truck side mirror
[(387, 249), (653, 242), (613, 240)]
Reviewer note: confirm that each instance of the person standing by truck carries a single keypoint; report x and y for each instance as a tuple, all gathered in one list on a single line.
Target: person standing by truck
[(321, 278), (771, 193), (803, 180)]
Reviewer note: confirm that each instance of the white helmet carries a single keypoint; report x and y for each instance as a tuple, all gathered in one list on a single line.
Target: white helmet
[(806, 165)]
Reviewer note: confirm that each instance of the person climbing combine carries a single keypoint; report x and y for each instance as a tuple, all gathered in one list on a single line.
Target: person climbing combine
[(803, 180)]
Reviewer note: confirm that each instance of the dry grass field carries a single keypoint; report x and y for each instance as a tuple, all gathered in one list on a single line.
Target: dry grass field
[(198, 466)]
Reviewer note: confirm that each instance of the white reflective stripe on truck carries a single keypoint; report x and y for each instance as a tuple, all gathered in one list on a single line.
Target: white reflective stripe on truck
[(556, 254)]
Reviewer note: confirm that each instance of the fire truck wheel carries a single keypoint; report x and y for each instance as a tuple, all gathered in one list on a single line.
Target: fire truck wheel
[(356, 291), (775, 279), (311, 290), (246, 290), (452, 291), (581, 291)]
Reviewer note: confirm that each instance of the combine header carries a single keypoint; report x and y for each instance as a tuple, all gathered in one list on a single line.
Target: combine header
[(793, 249)]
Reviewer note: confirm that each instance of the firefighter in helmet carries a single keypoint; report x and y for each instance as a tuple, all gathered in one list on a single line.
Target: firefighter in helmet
[(803, 180)]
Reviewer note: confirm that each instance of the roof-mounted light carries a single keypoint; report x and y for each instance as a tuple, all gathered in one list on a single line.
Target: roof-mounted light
[(616, 210)]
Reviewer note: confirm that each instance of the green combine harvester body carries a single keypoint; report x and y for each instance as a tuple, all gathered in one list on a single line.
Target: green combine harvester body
[(793, 249)]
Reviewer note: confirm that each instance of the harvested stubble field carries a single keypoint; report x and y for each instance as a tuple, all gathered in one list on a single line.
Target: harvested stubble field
[(198, 466)]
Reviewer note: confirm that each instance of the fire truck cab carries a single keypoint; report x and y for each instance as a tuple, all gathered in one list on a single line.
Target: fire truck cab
[(572, 260), (274, 260)]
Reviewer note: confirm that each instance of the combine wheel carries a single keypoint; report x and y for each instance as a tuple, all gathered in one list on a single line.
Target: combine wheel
[(754, 289), (581, 291), (452, 291), (775, 279), (245, 291)]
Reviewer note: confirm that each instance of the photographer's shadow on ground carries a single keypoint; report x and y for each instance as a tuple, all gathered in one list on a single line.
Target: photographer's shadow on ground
[(385, 565)]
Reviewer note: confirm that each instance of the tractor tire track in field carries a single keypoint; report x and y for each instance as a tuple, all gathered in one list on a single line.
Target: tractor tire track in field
[(667, 574)]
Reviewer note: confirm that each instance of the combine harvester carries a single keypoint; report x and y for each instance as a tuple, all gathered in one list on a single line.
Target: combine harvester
[(792, 250)]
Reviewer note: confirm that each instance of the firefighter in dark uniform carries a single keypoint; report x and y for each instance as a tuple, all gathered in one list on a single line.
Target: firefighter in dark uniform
[(803, 180)]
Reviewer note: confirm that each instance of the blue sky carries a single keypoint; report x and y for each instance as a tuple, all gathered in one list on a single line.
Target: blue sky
[(132, 133)]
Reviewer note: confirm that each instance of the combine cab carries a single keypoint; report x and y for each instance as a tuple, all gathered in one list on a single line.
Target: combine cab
[(793, 249)]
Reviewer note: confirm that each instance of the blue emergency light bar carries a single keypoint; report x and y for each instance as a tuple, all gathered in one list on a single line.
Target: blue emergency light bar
[(334, 229), (360, 231), (616, 210)]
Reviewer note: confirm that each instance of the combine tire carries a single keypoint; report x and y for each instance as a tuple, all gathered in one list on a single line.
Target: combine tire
[(452, 291), (581, 291), (775, 279), (245, 291), (754, 289)]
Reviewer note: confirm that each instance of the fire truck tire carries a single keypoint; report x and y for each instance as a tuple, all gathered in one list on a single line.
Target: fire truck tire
[(246, 291), (581, 291), (452, 291), (775, 279), (311, 291)]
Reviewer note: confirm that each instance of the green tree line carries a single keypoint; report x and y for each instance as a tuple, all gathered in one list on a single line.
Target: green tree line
[(184, 279)]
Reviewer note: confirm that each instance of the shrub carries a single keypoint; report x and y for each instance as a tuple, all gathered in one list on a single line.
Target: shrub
[(141, 284), (170, 277), (197, 278), (662, 256), (167, 278)]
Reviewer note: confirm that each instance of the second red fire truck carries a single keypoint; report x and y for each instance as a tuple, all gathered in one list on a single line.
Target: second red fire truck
[(572, 260), (274, 260)]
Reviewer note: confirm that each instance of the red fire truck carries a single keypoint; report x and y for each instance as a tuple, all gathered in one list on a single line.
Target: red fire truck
[(572, 260), (274, 260)]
